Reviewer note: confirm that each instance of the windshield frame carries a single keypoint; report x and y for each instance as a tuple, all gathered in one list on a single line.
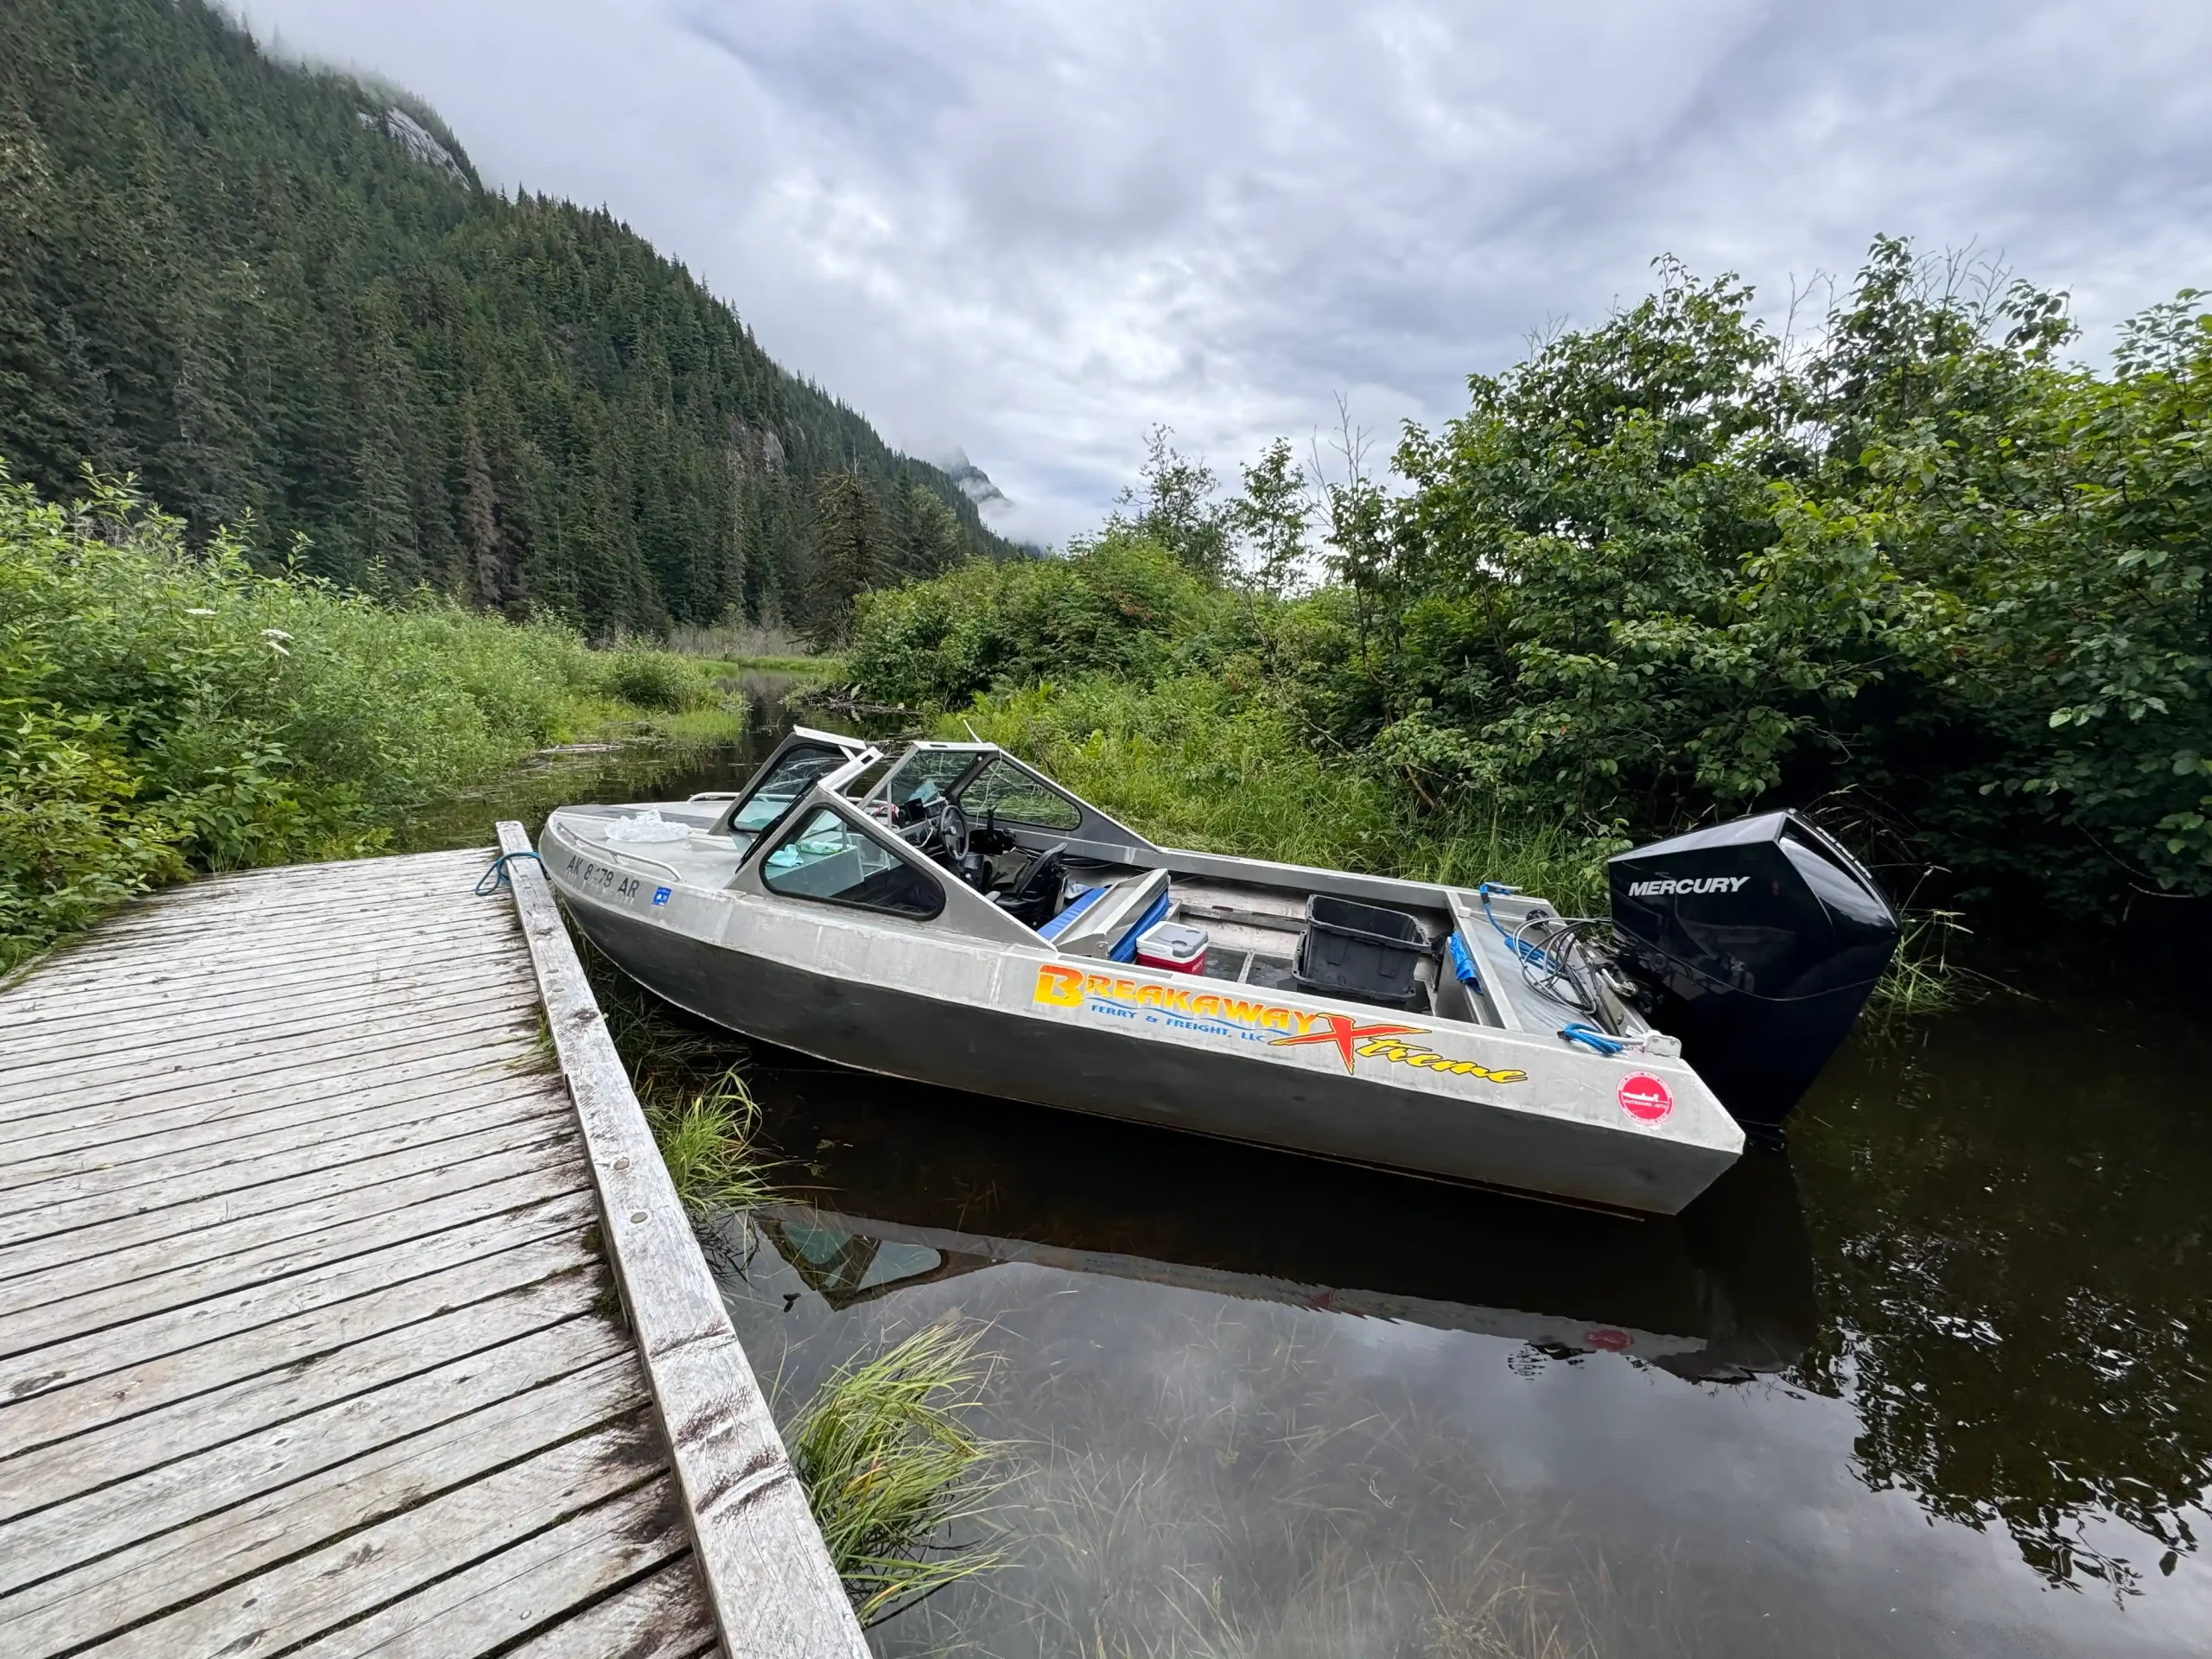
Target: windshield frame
[(857, 756)]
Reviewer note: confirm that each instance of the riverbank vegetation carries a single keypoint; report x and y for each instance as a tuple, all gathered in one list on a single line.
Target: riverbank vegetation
[(165, 711), (1919, 573)]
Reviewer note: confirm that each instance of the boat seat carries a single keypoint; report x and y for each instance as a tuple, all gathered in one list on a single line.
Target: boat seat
[(1034, 896)]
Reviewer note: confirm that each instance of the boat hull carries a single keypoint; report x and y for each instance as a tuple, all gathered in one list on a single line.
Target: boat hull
[(755, 973)]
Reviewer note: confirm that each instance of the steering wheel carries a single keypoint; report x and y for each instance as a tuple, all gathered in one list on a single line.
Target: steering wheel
[(951, 825), (939, 829)]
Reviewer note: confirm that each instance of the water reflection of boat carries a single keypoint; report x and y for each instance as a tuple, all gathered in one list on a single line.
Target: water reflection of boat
[(913, 1185)]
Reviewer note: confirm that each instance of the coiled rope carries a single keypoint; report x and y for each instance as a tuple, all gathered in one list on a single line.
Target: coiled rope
[(495, 875), (1590, 1037)]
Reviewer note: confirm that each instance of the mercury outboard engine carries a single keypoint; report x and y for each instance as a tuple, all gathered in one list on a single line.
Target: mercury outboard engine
[(1757, 944)]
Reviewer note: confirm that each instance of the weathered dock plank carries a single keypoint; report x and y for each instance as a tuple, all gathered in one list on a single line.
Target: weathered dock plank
[(277, 1411), (233, 1229), (313, 1270), (169, 1290), (288, 1346), (168, 1223), (657, 1618), (174, 1483), (223, 1169)]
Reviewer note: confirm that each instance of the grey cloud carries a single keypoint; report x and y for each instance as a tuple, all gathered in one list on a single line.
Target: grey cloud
[(1033, 230)]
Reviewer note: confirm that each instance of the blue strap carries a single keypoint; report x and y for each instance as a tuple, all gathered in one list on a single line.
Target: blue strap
[(1590, 1037), (1463, 963), (1521, 947), (495, 876)]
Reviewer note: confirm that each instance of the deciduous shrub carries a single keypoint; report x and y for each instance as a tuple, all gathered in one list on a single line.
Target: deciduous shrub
[(1922, 574), (163, 711), (1120, 606)]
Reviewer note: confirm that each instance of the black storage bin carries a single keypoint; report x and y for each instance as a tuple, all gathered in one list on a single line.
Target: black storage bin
[(1365, 953)]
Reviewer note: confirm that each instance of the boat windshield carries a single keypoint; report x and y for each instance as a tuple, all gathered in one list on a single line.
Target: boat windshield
[(984, 783), (825, 857), (1009, 795), (791, 777), (927, 773)]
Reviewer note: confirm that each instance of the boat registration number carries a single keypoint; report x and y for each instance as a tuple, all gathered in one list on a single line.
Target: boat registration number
[(593, 877)]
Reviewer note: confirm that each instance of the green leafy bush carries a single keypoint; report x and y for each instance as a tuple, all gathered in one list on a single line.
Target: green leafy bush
[(1928, 565), (1920, 575), (1120, 606), (163, 711), (657, 680)]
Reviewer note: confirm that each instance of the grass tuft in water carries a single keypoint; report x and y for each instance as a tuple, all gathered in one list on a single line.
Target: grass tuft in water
[(706, 1140), (892, 1470), (1922, 981)]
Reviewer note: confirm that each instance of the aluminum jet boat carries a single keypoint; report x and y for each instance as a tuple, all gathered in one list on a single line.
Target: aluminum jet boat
[(951, 915)]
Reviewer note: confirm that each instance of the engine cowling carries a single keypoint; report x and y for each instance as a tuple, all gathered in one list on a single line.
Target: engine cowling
[(1756, 942)]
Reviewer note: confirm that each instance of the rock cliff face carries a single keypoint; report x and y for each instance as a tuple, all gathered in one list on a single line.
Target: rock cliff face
[(975, 483), (416, 139)]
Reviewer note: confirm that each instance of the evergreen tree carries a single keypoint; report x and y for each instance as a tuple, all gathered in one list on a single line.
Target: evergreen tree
[(480, 524), (925, 536), (849, 553)]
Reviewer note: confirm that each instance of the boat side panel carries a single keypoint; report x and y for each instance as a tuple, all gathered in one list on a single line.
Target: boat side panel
[(993, 1051)]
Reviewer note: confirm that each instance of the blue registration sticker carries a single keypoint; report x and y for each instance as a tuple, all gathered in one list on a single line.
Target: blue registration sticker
[(660, 896)]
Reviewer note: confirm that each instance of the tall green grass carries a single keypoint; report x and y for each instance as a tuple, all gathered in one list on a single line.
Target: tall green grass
[(892, 1471), (1922, 979), (165, 710), (705, 1138)]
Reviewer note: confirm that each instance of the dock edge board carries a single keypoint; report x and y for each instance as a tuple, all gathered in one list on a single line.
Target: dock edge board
[(767, 1571)]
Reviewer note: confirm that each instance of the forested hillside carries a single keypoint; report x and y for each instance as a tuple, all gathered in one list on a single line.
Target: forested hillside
[(282, 297)]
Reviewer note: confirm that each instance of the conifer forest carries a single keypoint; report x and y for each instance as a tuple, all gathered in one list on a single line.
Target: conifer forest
[(286, 302)]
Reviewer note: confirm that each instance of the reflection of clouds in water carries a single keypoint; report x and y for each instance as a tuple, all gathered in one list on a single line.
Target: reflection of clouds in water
[(1199, 1475)]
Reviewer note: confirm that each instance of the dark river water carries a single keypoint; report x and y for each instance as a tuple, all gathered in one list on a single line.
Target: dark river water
[(1937, 1380)]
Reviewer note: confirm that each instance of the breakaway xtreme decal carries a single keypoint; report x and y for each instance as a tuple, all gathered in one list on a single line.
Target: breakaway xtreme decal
[(1071, 988)]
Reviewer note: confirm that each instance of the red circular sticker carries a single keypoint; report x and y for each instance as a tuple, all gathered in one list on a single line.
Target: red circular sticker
[(1608, 1340), (1645, 1097)]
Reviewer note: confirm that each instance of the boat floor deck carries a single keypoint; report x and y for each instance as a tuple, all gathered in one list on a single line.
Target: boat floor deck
[(308, 1344)]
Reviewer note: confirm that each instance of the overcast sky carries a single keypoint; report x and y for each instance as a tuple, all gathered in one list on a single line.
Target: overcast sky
[(1031, 231)]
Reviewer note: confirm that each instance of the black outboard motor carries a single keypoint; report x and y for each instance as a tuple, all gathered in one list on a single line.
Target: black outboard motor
[(1756, 942)]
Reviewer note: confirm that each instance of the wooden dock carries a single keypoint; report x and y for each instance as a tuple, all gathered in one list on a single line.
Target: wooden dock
[(343, 1312)]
